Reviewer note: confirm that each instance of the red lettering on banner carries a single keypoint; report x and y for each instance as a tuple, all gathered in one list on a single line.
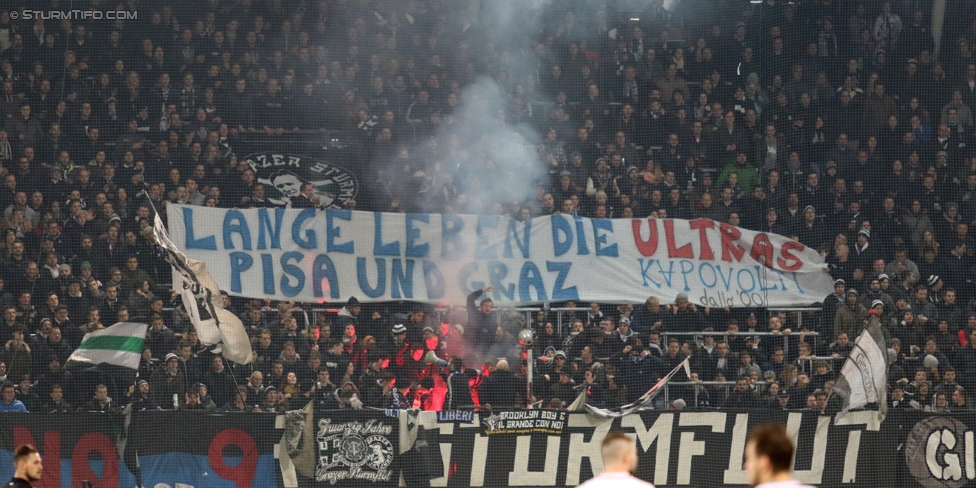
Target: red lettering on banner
[(648, 247), (730, 234), (788, 257), (684, 251), (762, 250), (703, 225), (81, 470), (243, 473), (51, 452)]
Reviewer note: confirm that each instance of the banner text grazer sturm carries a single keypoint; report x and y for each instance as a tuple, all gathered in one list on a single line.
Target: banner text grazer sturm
[(331, 255)]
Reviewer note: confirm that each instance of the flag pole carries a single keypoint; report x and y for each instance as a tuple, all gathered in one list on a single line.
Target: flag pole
[(213, 313)]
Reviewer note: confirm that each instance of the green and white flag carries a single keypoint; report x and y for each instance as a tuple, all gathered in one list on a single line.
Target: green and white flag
[(118, 345)]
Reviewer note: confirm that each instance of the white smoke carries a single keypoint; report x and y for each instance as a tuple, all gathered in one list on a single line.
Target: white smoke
[(496, 160)]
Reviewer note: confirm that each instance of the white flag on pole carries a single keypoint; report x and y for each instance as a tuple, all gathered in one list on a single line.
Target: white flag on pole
[(580, 403), (864, 377), (201, 298)]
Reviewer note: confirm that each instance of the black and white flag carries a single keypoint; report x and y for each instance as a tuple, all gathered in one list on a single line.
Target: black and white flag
[(864, 376), (580, 403), (201, 298)]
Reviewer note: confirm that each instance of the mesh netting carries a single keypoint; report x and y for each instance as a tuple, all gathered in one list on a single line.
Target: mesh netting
[(842, 130)]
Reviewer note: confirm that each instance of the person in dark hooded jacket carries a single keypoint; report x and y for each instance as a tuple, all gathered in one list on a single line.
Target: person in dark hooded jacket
[(481, 321), (341, 398), (101, 402), (141, 400), (395, 344), (160, 339), (220, 382), (458, 388), (383, 394), (501, 389)]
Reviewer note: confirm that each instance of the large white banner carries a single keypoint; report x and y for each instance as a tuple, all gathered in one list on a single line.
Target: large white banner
[(314, 255)]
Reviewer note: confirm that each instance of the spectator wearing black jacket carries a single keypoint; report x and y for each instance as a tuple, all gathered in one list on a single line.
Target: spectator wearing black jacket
[(965, 360), (57, 403), (101, 402), (482, 322), (159, 339), (219, 382), (501, 389), (140, 399), (742, 397), (335, 359), (684, 316), (458, 388), (383, 394), (395, 344), (649, 317)]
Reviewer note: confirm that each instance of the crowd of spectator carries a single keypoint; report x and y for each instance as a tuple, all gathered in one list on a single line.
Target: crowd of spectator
[(842, 125)]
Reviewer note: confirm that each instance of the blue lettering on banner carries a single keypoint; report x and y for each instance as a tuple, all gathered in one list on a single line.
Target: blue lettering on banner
[(324, 269), (701, 275), (267, 268), (401, 285), (465, 273), (797, 282), (752, 280), (601, 239), (380, 288), (581, 248), (310, 240), (434, 281), (379, 247), (291, 271), (276, 252), (265, 227), (665, 275), (645, 267), (725, 286), (415, 250), (239, 263), (562, 235), (512, 235), (764, 279), (486, 227), (452, 247), (726, 279), (235, 223), (497, 271), (208, 243), (559, 291), (686, 268), (332, 232), (454, 416), (531, 278)]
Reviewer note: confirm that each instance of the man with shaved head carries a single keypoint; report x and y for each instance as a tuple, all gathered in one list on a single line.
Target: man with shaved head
[(619, 454)]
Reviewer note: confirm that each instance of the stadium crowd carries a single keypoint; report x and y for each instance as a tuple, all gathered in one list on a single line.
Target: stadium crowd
[(839, 124)]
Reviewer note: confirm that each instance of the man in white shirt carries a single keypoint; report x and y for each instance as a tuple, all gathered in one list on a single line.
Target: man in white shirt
[(769, 454), (619, 463)]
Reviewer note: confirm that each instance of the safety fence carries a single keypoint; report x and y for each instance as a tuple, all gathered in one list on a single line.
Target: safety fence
[(559, 316), (491, 449)]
